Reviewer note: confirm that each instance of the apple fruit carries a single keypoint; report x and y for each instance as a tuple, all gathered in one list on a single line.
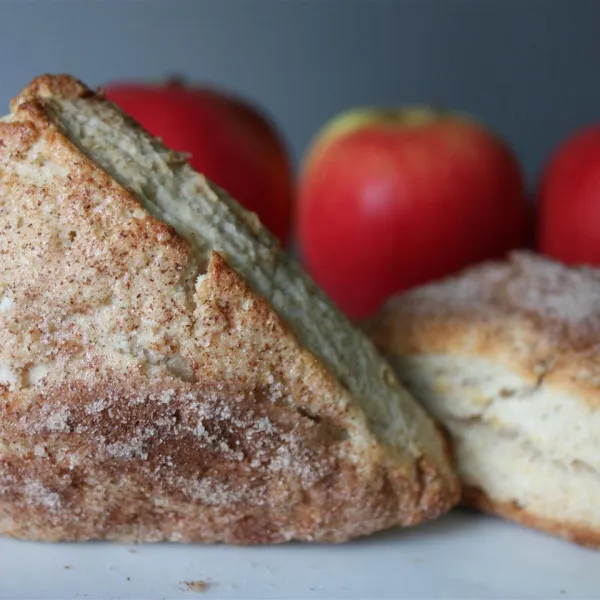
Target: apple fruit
[(569, 200), (229, 139), (391, 199)]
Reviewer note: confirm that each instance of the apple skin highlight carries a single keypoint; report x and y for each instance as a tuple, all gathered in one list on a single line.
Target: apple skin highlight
[(569, 200), (392, 199)]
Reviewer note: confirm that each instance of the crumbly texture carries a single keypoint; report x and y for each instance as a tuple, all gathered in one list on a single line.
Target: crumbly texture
[(196, 586), (166, 371), (506, 357)]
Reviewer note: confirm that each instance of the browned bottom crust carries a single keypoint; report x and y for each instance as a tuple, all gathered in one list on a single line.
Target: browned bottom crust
[(580, 534)]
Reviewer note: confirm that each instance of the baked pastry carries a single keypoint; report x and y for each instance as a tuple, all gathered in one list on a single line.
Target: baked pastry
[(507, 357), (167, 372)]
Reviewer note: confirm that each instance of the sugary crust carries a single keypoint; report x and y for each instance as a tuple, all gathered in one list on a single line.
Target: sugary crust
[(140, 405), (140, 465), (580, 534), (52, 86), (537, 318), (532, 315)]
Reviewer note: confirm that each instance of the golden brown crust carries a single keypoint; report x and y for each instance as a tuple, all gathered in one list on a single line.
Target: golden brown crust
[(139, 405), (532, 315), (52, 86), (135, 467), (579, 534)]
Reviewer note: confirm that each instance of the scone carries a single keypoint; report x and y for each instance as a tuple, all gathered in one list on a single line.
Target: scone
[(507, 357), (167, 372)]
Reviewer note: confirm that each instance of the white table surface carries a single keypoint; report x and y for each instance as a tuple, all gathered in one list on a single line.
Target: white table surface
[(460, 556)]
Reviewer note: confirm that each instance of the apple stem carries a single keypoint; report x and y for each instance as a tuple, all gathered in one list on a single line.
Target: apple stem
[(176, 80)]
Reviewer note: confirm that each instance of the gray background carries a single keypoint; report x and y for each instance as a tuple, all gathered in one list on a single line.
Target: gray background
[(529, 68)]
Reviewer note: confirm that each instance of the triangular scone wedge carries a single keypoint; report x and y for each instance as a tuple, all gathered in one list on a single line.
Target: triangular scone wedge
[(167, 372)]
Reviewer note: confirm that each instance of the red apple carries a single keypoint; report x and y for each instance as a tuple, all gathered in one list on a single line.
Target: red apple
[(569, 200), (229, 139), (392, 199)]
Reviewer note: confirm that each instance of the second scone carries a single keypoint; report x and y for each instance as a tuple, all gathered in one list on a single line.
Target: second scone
[(507, 357)]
